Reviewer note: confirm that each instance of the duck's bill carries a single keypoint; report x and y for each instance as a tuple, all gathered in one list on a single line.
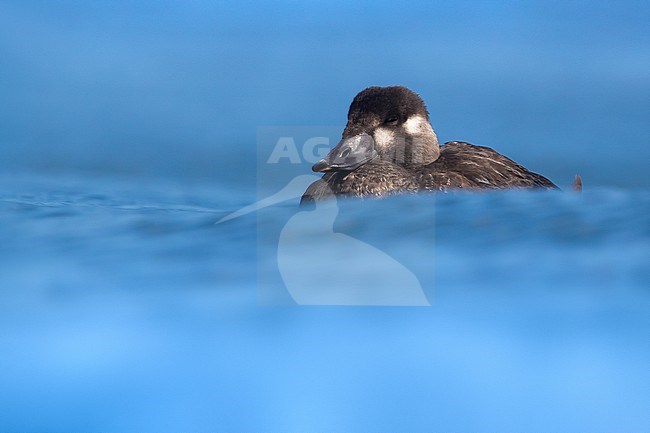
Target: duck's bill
[(349, 154)]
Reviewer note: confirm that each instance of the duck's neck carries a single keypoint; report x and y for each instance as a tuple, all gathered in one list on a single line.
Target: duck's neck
[(421, 141), (424, 149), (420, 149)]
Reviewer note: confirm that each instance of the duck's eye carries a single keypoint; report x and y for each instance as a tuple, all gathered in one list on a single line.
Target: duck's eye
[(392, 119)]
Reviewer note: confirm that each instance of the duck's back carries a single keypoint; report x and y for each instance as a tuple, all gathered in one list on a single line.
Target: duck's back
[(460, 166), (463, 165)]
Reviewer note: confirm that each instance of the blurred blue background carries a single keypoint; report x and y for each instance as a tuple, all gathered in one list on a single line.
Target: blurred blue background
[(128, 128), (169, 87)]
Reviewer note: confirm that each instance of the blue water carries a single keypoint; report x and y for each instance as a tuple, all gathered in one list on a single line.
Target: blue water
[(127, 129), (125, 308)]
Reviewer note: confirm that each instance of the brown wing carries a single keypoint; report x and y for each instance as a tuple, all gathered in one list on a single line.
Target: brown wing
[(463, 165)]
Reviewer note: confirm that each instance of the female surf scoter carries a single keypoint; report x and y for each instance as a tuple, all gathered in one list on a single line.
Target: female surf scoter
[(388, 146)]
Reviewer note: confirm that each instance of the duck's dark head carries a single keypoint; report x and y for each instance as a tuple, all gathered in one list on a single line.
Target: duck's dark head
[(390, 123)]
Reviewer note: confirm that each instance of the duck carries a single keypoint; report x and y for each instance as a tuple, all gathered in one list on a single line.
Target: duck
[(388, 147)]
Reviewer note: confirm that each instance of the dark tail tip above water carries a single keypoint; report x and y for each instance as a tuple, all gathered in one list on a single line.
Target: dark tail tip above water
[(577, 183)]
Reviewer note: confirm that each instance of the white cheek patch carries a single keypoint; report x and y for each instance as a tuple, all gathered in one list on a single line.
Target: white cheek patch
[(389, 145), (417, 125), (384, 138)]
